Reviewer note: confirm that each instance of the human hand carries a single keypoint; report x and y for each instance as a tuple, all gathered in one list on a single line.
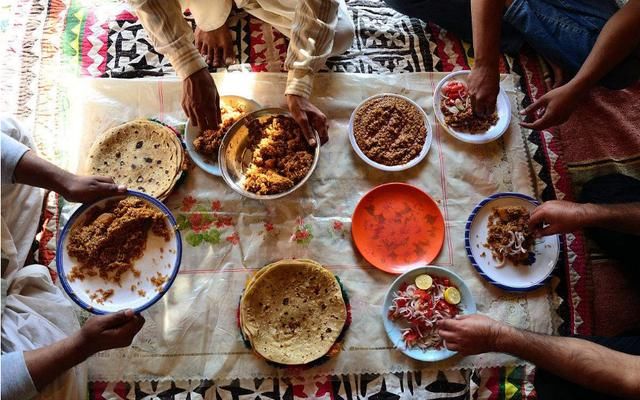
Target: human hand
[(216, 46), (85, 189), (471, 334), (552, 109), (200, 100), (559, 216), (308, 116), (106, 332), (484, 86)]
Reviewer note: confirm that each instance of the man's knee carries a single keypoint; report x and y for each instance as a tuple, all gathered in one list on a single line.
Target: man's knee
[(344, 34), (609, 189)]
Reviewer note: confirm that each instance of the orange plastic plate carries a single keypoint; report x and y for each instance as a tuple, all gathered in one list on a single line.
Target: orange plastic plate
[(397, 227)]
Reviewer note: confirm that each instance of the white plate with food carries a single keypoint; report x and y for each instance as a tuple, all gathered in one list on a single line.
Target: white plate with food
[(452, 106), (501, 247), (118, 253), (203, 146), (390, 132), (414, 303)]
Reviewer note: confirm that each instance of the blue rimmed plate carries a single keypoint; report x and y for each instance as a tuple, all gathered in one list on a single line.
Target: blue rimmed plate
[(394, 328), (545, 254), (159, 257)]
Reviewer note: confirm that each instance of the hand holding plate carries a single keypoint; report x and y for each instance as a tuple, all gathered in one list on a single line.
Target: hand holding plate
[(109, 331), (86, 189)]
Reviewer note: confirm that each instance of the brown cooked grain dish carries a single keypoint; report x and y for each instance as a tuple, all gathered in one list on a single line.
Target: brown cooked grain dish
[(389, 130), (110, 239), (281, 156), (209, 141)]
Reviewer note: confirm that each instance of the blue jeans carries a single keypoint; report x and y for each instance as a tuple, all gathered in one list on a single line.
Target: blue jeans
[(563, 31)]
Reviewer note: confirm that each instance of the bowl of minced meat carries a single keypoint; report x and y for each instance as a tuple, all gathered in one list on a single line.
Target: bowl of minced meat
[(390, 132)]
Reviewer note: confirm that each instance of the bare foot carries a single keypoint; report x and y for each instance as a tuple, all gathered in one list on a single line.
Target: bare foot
[(216, 46)]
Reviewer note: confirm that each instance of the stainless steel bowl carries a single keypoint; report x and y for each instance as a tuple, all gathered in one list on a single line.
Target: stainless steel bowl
[(235, 157)]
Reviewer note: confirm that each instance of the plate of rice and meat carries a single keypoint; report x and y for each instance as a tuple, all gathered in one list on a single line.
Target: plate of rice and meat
[(453, 109), (414, 304), (390, 132), (501, 247), (265, 155), (203, 147), (120, 252)]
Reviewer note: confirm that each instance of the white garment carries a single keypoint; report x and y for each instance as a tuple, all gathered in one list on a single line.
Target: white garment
[(35, 313), (318, 29), (20, 211)]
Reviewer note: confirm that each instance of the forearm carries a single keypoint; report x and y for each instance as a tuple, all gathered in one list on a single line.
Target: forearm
[(312, 35), (486, 16), (623, 217), (619, 37), (35, 171), (47, 363), (170, 34), (601, 369)]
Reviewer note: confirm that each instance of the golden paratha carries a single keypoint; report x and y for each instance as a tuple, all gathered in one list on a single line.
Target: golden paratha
[(293, 312), (143, 155)]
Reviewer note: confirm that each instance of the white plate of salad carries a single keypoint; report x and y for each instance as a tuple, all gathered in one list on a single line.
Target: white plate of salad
[(414, 303), (452, 106)]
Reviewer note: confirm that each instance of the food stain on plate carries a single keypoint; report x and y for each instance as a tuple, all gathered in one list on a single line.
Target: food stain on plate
[(397, 226)]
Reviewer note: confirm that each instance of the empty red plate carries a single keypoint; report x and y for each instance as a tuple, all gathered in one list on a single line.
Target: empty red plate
[(397, 227)]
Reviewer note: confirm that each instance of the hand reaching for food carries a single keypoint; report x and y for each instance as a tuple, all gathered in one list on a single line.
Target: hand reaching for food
[(200, 100), (558, 216), (109, 331), (309, 117), (484, 86), (471, 334), (86, 189), (554, 108), (216, 46)]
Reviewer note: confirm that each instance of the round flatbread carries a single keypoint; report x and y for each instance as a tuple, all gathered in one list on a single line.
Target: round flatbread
[(143, 155), (293, 312)]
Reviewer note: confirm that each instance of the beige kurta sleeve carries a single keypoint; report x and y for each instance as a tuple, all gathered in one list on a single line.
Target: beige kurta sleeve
[(170, 34), (312, 35)]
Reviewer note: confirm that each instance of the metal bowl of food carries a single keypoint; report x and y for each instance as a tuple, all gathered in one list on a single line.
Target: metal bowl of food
[(265, 156), (202, 149)]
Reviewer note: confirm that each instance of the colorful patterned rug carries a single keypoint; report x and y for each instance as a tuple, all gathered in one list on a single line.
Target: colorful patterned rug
[(105, 40)]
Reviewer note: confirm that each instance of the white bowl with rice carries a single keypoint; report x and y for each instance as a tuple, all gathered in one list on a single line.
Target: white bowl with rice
[(358, 135)]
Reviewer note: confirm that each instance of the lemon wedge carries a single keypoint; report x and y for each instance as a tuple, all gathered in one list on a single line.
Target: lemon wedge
[(452, 295), (424, 281)]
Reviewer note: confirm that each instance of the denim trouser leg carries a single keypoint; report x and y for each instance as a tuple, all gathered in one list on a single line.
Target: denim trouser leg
[(454, 16), (564, 32)]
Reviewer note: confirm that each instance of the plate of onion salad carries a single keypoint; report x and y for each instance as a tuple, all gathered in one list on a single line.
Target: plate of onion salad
[(451, 94), (415, 302)]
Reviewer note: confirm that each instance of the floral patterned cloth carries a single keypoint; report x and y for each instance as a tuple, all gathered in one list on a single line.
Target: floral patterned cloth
[(191, 333)]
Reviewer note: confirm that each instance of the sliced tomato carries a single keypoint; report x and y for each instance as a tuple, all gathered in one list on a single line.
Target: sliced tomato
[(411, 337)]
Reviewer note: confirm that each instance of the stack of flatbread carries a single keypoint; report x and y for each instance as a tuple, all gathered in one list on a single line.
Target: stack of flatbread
[(145, 156), (292, 312)]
